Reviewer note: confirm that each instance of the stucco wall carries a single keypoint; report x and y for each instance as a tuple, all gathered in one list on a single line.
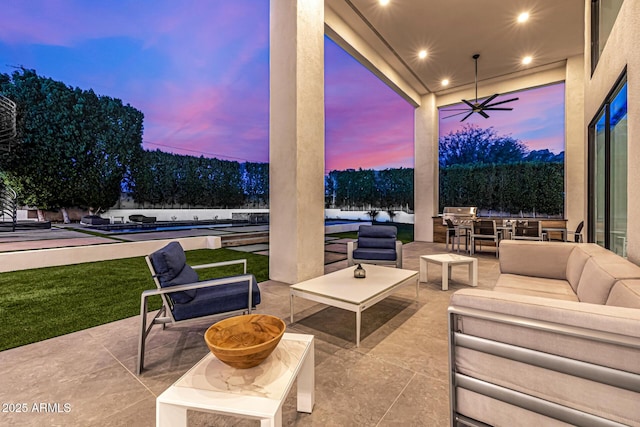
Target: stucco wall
[(620, 50)]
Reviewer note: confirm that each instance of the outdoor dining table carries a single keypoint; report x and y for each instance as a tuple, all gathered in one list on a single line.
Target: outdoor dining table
[(547, 230), (504, 231)]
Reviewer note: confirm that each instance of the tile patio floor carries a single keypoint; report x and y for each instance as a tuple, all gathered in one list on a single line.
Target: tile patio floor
[(398, 376)]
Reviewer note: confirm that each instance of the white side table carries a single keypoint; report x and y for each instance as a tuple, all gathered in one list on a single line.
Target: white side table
[(258, 393), (447, 261)]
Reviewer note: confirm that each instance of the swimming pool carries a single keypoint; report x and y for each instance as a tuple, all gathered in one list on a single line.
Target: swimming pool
[(335, 225), (167, 228)]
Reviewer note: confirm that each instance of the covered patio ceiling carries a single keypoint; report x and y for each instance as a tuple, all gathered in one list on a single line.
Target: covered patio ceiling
[(452, 31)]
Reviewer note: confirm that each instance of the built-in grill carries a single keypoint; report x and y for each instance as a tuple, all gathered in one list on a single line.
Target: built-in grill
[(459, 215)]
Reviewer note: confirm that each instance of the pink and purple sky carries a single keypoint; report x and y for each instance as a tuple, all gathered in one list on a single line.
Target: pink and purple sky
[(199, 71), (537, 118)]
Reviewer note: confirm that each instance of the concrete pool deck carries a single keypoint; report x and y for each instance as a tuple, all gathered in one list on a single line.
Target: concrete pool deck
[(250, 238)]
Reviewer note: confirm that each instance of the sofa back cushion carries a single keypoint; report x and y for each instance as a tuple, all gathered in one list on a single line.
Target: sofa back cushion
[(377, 236), (575, 266), (600, 273), (595, 283), (625, 293), (537, 259)]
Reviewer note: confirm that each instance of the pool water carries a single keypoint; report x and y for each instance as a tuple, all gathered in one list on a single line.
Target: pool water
[(166, 228), (144, 228)]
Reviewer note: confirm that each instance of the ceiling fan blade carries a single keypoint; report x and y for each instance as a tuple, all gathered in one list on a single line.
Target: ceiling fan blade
[(502, 102), (457, 114), (488, 100), (466, 117), (481, 107), (469, 103)]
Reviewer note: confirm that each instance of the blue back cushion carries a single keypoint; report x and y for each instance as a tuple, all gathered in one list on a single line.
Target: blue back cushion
[(377, 236), (171, 267)]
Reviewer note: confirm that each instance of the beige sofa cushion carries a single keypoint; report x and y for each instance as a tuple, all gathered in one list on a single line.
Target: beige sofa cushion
[(616, 320), (536, 259), (497, 413), (625, 293), (588, 396), (575, 266), (535, 286), (599, 275)]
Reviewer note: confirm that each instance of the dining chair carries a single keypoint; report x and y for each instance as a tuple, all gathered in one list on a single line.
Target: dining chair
[(484, 230)]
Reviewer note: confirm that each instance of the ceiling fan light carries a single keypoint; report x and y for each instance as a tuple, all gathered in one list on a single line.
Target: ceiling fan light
[(422, 54), (527, 60), (523, 17)]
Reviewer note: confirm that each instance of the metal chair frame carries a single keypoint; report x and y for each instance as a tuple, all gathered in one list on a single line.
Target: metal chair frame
[(165, 316)]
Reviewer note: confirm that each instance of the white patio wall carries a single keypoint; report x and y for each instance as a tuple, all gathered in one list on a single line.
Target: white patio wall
[(180, 214), (383, 216), (38, 258)]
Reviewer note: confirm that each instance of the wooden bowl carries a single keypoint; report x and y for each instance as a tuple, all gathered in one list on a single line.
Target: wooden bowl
[(244, 341)]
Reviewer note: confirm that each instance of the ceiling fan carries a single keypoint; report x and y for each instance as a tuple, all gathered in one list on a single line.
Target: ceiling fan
[(480, 107)]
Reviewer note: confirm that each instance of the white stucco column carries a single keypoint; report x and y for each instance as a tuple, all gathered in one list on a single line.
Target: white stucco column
[(425, 185), (296, 140), (575, 150)]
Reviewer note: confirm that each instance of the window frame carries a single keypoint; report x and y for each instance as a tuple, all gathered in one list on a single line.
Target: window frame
[(605, 108)]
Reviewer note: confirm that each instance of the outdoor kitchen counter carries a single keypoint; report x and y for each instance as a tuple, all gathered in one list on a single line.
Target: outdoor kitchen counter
[(440, 230)]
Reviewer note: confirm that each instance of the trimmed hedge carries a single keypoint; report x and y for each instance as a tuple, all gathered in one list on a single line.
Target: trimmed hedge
[(525, 186)]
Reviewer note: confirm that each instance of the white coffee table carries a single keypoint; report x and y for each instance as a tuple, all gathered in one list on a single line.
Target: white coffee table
[(340, 289), (258, 393), (447, 261)]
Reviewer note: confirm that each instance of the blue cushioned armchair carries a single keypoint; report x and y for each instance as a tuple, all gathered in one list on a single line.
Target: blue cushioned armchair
[(376, 244), (185, 298)]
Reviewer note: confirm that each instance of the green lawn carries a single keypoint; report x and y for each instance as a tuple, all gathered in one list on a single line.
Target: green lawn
[(48, 302), (405, 232)]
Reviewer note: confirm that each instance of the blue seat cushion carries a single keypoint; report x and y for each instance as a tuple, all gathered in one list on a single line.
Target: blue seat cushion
[(218, 299), (170, 264), (375, 254)]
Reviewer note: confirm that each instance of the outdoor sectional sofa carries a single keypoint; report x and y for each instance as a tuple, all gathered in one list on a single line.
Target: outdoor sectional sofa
[(556, 342)]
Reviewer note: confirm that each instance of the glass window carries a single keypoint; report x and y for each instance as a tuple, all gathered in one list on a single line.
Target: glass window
[(603, 16), (608, 174), (618, 186), (600, 173)]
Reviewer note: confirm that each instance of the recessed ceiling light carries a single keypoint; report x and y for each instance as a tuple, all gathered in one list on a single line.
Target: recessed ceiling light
[(445, 82), (384, 2), (527, 60), (422, 54), (523, 17)]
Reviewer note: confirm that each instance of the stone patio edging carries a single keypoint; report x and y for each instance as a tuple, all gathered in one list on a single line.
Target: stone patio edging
[(38, 258)]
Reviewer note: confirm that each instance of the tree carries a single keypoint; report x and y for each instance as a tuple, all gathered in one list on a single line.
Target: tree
[(473, 144), (256, 183), (75, 147)]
